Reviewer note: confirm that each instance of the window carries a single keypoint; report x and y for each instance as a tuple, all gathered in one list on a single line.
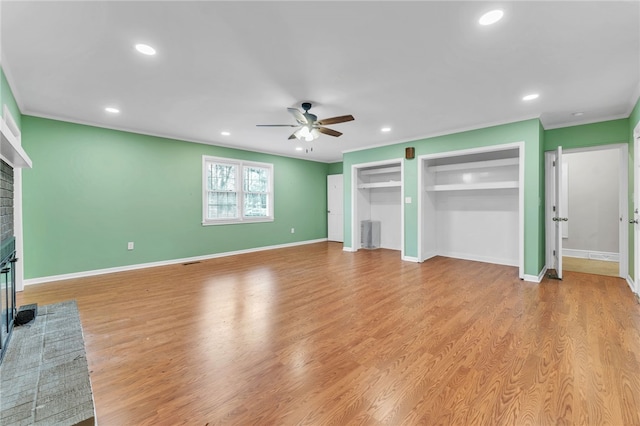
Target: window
[(236, 191)]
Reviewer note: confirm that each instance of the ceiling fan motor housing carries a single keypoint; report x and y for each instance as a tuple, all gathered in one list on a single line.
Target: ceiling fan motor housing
[(311, 118)]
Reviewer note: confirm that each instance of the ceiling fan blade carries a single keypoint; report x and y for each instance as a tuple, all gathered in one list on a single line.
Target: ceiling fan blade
[(276, 125), (295, 135), (335, 120), (300, 118), (329, 132)]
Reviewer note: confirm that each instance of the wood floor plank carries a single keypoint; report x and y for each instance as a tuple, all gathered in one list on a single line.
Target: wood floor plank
[(314, 335)]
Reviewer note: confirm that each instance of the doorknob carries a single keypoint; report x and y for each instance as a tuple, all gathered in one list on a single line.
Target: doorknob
[(634, 221), (564, 219)]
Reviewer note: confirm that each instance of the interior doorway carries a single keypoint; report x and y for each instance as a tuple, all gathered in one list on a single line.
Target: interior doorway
[(586, 202), (335, 205)]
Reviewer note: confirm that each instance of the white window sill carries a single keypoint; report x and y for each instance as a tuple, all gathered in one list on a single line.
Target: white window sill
[(237, 221)]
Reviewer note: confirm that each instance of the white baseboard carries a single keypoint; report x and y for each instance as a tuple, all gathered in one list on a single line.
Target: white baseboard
[(410, 259), (429, 256), (591, 254), (92, 273), (486, 259), (349, 249), (631, 284), (533, 278)]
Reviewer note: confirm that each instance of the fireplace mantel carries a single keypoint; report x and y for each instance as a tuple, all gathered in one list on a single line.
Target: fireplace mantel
[(10, 146)]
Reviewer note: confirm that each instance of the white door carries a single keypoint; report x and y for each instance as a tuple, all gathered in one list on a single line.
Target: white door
[(634, 219), (335, 201), (559, 216)]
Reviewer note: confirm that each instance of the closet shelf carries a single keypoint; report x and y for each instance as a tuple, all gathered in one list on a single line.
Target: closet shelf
[(474, 186), (388, 184), (504, 162), (379, 171)]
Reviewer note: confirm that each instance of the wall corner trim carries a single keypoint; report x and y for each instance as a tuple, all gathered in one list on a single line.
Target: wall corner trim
[(533, 278), (410, 259), (630, 283)]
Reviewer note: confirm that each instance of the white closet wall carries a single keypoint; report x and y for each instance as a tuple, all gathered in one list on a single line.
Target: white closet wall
[(385, 207), (478, 225), (471, 206)]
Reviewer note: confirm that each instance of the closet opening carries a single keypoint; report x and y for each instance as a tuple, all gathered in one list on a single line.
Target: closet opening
[(471, 205), (378, 210)]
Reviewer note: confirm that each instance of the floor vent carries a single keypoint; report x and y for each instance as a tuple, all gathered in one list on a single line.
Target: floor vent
[(190, 263)]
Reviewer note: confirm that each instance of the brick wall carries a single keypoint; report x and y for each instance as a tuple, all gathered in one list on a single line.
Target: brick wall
[(6, 201)]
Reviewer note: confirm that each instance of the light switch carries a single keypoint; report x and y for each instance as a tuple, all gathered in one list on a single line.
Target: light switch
[(407, 200)]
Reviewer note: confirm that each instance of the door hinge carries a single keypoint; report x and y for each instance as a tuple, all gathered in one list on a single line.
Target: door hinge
[(554, 164), (554, 252), (554, 208)]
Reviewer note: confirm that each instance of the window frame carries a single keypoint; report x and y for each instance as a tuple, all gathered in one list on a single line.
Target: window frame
[(240, 192)]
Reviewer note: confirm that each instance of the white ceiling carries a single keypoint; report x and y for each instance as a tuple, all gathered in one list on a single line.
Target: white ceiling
[(422, 68)]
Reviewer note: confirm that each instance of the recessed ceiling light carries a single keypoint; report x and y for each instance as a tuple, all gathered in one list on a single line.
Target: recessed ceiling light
[(112, 110), (530, 97), (491, 17), (385, 129), (298, 148), (225, 133), (577, 114), (145, 49)]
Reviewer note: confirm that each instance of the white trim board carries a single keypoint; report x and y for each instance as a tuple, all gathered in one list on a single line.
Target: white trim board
[(533, 278), (95, 272), (590, 254), (630, 284), (475, 258)]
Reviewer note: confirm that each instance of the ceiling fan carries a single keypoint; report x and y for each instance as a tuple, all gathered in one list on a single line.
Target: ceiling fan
[(309, 127)]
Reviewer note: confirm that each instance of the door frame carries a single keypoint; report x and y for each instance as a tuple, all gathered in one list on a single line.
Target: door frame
[(635, 283), (623, 230)]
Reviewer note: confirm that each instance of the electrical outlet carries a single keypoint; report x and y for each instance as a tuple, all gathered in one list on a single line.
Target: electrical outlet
[(130, 245), (293, 230)]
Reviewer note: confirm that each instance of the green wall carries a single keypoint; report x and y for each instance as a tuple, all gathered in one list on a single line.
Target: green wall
[(95, 189), (587, 135), (7, 98), (530, 132), (335, 168)]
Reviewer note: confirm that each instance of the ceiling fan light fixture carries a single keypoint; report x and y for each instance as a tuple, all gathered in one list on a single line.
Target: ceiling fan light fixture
[(304, 132), (308, 134)]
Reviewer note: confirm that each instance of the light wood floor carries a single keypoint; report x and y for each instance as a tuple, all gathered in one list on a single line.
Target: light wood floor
[(314, 335), (591, 266)]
